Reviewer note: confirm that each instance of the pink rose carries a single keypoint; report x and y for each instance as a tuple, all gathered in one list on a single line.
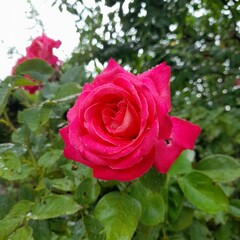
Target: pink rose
[(120, 127), (42, 48)]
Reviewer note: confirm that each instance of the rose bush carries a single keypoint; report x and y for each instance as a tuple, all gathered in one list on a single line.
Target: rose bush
[(41, 48), (120, 127)]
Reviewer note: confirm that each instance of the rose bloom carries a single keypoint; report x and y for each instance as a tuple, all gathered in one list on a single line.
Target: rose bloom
[(120, 127), (42, 48)]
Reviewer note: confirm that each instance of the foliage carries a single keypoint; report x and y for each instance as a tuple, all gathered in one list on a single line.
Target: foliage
[(46, 196)]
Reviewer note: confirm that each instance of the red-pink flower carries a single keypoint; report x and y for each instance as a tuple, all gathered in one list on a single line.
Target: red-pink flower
[(42, 48), (120, 127)]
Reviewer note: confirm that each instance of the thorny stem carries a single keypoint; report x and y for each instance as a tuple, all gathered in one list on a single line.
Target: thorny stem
[(71, 97)]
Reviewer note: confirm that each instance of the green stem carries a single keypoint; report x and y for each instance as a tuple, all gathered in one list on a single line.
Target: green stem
[(123, 187), (8, 121), (164, 234), (164, 192), (60, 100), (33, 159)]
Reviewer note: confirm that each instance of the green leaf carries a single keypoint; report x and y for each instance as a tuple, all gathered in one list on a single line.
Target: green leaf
[(183, 163), (41, 229), (19, 81), (119, 214), (62, 184), (147, 232), (37, 69), (6, 203), (59, 225), (234, 208), (198, 231), (44, 115), (49, 158), (68, 89), (19, 210), (14, 219), (201, 191), (49, 90), (175, 201), (20, 135), (26, 192), (220, 168), (183, 221), (94, 229), (79, 231), (74, 74), (153, 180), (22, 233), (31, 117), (54, 206), (88, 228), (5, 91), (5, 147), (11, 167), (87, 191), (9, 226), (153, 207), (76, 171), (230, 230)]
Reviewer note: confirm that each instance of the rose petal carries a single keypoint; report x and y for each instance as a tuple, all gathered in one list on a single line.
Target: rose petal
[(184, 135), (109, 73), (184, 132), (74, 131), (160, 75), (112, 64), (70, 151), (121, 120), (127, 174), (161, 108)]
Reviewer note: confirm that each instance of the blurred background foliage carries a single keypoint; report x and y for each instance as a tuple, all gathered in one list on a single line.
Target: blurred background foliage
[(199, 39)]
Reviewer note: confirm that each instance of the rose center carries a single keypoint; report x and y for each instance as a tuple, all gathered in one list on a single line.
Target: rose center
[(121, 119)]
